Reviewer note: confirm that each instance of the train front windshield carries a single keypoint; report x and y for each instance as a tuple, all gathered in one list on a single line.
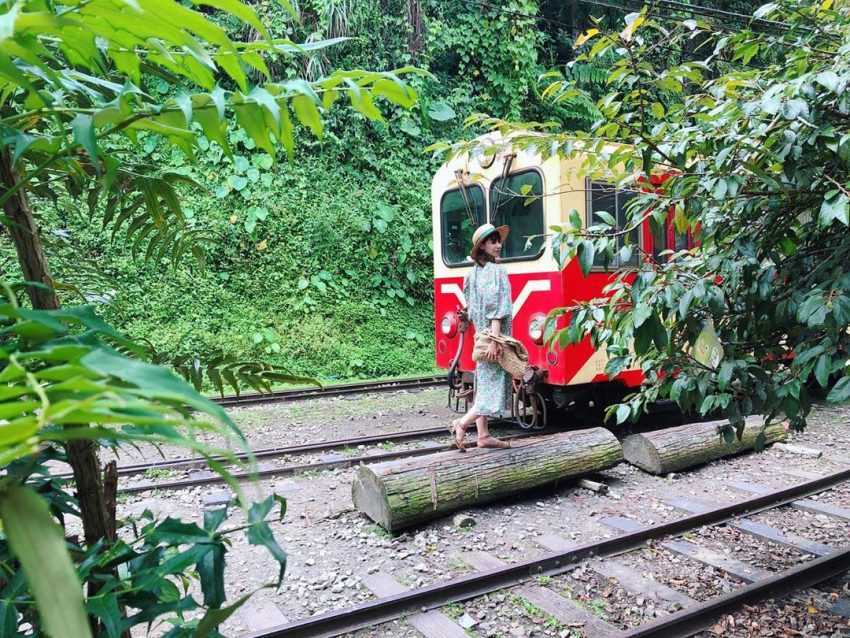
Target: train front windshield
[(461, 212), (517, 201)]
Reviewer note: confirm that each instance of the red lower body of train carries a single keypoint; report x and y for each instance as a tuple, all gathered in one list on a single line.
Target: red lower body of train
[(572, 377)]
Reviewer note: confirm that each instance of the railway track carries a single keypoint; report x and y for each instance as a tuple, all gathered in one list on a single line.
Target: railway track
[(421, 607), (203, 478), (276, 452), (343, 389), (279, 451), (209, 477)]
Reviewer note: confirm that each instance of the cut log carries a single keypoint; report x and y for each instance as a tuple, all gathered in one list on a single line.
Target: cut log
[(398, 494), (693, 444)]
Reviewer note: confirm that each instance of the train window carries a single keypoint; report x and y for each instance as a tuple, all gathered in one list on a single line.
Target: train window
[(605, 197), (517, 200), (459, 217), (666, 237)]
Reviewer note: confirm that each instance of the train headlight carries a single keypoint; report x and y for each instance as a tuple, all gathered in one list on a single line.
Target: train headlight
[(535, 327), (448, 324)]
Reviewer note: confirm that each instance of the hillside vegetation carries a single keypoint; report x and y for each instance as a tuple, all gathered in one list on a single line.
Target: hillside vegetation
[(322, 264)]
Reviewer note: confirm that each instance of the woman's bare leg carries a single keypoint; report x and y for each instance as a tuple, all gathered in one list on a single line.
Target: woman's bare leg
[(458, 428)]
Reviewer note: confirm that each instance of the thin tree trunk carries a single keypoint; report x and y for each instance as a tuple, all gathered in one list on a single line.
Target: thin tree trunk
[(82, 455), (416, 38)]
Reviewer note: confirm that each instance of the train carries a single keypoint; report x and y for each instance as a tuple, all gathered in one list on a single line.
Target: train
[(520, 188)]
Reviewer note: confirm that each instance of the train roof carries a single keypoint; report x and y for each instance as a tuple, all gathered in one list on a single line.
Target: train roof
[(478, 156)]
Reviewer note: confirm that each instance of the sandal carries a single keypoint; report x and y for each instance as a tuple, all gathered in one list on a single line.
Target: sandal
[(494, 443), (459, 432)]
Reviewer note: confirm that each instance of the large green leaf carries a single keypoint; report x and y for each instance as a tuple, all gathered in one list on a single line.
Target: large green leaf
[(441, 112), (241, 11), (84, 134), (835, 207), (840, 392), (39, 544), (215, 617), (211, 572), (585, 253), (259, 532), (152, 381)]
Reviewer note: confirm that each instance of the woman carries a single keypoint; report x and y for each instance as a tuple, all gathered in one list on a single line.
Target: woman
[(488, 297)]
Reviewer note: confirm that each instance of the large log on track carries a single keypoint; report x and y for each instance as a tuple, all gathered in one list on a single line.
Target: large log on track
[(693, 444), (398, 494)]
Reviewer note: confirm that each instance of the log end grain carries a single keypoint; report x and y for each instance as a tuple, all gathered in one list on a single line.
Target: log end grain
[(640, 452), (370, 497)]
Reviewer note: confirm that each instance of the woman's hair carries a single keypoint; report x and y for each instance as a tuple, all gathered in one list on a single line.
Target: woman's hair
[(482, 257)]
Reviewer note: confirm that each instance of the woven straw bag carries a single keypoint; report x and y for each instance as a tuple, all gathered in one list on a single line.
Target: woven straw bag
[(514, 357)]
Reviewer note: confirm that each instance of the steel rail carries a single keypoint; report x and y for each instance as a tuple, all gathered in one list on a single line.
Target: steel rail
[(279, 396), (212, 477), (687, 622), (382, 610), (272, 452)]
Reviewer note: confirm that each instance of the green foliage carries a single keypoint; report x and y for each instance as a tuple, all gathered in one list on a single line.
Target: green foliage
[(326, 261), (87, 91), (339, 237), (492, 49), (63, 380), (37, 543), (96, 89), (753, 141)]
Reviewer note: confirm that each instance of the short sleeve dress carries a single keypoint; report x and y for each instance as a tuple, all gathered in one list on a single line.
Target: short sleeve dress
[(488, 296)]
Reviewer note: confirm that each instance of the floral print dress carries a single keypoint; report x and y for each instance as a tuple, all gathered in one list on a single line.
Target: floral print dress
[(488, 296)]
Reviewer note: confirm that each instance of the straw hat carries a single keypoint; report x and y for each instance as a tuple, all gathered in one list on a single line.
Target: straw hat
[(483, 232)]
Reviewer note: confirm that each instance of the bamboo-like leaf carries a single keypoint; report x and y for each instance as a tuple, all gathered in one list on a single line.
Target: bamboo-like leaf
[(251, 118), (156, 381), (265, 99), (39, 544), (362, 101), (210, 120), (233, 67), (256, 61), (287, 136), (127, 63)]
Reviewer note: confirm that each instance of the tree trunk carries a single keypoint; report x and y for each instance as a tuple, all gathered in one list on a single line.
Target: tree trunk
[(82, 455), (684, 446), (399, 494), (27, 241), (416, 38)]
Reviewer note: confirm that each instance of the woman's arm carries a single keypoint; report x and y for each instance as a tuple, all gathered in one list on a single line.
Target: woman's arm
[(499, 302), (496, 327), (499, 310)]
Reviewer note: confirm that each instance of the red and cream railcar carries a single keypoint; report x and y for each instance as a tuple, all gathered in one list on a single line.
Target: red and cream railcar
[(530, 195)]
